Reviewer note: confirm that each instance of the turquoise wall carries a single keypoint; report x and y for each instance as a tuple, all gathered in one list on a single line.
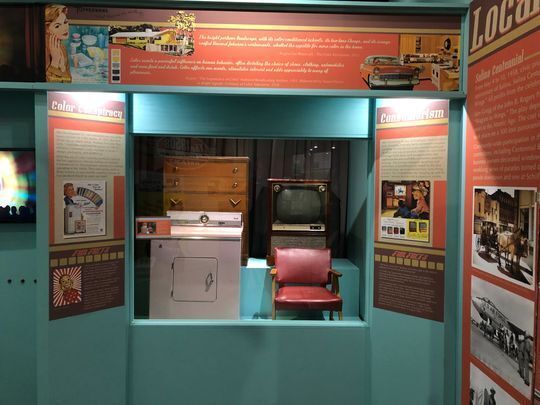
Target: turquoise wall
[(407, 353), (246, 364), (147, 363), (250, 116), (165, 362), (418, 358), (105, 358), (358, 217), (17, 264), (267, 362), (81, 359)]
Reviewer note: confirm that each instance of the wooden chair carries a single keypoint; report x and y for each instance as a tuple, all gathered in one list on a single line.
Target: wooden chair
[(301, 276)]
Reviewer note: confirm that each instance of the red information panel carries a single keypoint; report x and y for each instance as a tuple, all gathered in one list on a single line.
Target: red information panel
[(252, 49), (86, 202), (501, 218), (410, 221)]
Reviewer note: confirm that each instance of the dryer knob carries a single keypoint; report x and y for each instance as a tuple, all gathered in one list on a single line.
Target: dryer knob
[(204, 219)]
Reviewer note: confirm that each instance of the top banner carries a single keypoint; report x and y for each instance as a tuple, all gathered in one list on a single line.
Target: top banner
[(251, 49), (498, 23)]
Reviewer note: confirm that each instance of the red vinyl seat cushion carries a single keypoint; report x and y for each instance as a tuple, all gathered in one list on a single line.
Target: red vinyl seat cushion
[(300, 265), (307, 297)]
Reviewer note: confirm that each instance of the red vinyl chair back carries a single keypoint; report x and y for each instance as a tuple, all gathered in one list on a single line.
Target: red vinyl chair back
[(299, 265)]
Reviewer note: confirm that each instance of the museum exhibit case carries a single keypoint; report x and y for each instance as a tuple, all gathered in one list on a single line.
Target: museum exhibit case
[(210, 177), (127, 146)]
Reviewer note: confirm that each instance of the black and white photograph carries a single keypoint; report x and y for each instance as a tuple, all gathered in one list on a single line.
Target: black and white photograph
[(502, 325), (504, 233), (484, 391)]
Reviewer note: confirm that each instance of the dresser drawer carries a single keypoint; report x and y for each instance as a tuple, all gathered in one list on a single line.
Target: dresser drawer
[(206, 167), (204, 202), (208, 183), (235, 185)]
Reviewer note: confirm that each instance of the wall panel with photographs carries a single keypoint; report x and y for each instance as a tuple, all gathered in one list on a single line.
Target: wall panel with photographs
[(500, 255)]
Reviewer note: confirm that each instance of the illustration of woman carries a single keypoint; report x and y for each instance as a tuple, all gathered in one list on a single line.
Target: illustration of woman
[(69, 193), (56, 56), (421, 210)]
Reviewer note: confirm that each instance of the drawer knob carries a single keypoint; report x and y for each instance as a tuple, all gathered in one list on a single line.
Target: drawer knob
[(234, 185), (176, 182), (234, 203), (235, 170), (175, 168), (174, 202)]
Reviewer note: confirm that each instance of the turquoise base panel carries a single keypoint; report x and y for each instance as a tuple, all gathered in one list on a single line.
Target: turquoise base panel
[(18, 265), (407, 357), (246, 365)]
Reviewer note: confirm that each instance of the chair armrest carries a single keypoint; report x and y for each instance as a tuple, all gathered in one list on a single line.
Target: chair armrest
[(273, 274), (335, 281), (335, 273)]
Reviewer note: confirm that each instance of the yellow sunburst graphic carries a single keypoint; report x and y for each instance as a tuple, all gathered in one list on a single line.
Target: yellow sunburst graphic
[(67, 286)]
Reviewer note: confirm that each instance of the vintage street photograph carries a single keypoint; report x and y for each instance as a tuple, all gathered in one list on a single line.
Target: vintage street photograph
[(504, 233)]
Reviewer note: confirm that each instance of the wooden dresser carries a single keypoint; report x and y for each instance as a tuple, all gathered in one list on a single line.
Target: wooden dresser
[(208, 184)]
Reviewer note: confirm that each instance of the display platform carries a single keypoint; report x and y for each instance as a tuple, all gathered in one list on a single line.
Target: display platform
[(256, 287)]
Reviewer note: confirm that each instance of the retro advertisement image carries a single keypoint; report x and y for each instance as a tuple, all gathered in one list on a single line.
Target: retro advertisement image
[(89, 54), (84, 208), (252, 49), (67, 286), (405, 210), (74, 53)]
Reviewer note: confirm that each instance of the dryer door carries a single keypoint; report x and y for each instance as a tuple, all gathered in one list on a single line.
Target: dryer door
[(194, 279)]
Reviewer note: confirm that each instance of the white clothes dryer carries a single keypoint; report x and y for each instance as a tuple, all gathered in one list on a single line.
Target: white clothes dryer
[(195, 274)]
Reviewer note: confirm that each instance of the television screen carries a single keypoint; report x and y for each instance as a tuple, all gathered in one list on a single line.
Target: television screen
[(299, 206), (17, 186)]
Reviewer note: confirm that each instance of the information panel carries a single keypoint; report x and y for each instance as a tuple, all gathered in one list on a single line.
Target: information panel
[(501, 218), (410, 221), (86, 202)]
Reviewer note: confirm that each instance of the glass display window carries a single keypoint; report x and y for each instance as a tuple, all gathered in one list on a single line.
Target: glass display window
[(209, 213)]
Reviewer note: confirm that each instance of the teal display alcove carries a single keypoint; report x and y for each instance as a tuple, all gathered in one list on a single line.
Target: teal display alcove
[(109, 357)]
